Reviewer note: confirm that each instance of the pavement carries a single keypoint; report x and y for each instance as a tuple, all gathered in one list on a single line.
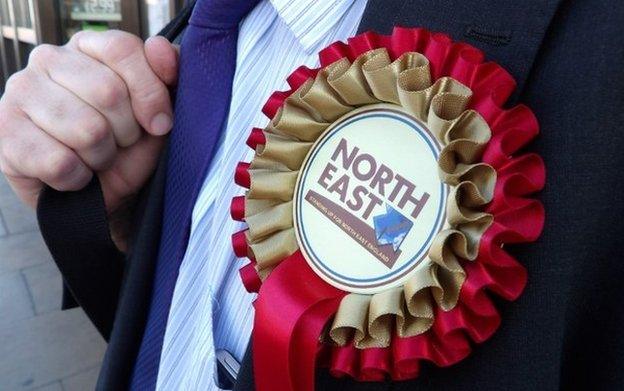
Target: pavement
[(41, 347)]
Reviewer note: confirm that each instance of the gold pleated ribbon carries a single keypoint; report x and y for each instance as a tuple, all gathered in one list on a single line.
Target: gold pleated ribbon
[(337, 89)]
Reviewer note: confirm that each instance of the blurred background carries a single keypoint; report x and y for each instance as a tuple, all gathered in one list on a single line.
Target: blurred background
[(41, 347)]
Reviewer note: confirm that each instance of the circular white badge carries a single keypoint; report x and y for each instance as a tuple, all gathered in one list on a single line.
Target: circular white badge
[(368, 200)]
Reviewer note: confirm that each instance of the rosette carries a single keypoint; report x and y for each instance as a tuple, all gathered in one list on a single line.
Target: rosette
[(379, 199)]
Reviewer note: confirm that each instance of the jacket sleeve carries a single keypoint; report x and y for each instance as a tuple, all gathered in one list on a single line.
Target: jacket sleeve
[(75, 228)]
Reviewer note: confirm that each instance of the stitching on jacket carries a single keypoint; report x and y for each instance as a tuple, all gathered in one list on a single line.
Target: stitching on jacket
[(490, 36)]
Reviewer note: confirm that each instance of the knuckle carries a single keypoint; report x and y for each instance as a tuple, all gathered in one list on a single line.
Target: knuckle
[(110, 94), (18, 83), (9, 129), (43, 54), (78, 36), (92, 131), (123, 38), (60, 166), (121, 45)]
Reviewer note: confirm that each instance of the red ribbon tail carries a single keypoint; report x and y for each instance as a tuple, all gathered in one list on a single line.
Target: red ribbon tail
[(292, 309)]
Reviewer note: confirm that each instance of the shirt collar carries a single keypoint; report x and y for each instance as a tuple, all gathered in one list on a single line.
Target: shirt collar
[(311, 20)]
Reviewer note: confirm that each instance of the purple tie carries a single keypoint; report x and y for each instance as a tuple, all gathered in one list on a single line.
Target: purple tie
[(207, 62)]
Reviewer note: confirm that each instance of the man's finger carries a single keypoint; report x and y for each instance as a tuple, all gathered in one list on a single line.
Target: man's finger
[(162, 56), (68, 119), (124, 54), (97, 85), (28, 152)]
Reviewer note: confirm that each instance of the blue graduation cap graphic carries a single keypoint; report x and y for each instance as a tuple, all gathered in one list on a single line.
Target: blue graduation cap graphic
[(391, 227)]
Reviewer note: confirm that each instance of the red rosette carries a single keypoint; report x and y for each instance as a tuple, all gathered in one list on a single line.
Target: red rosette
[(518, 218)]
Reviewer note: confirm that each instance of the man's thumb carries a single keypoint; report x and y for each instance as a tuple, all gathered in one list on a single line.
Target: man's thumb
[(162, 57)]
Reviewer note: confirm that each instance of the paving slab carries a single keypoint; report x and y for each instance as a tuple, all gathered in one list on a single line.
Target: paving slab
[(46, 348), (83, 381), (15, 301), (3, 230), (56, 386), (22, 250), (17, 216), (45, 285)]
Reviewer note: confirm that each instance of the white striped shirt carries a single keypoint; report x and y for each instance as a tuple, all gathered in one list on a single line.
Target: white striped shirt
[(210, 307)]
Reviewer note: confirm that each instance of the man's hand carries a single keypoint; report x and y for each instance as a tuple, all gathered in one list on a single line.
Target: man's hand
[(98, 105)]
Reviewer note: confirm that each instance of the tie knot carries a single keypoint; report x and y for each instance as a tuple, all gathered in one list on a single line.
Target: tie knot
[(221, 14)]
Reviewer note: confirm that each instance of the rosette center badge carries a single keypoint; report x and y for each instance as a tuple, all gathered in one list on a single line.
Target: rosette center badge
[(369, 201)]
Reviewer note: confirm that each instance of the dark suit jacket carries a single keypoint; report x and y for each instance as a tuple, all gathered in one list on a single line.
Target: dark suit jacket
[(567, 330)]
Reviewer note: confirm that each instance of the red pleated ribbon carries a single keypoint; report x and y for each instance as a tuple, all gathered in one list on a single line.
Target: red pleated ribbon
[(294, 304), (292, 309)]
